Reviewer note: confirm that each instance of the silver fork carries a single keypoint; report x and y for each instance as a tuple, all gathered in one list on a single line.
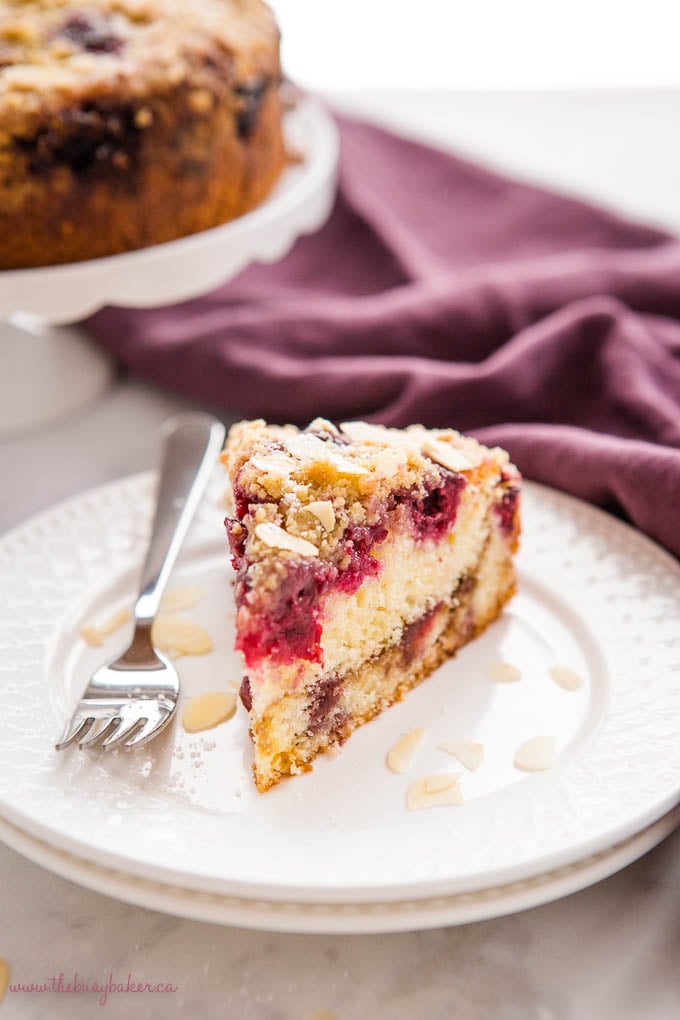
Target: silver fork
[(131, 700)]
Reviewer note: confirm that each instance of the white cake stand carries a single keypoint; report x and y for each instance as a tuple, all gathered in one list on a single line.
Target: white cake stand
[(48, 369)]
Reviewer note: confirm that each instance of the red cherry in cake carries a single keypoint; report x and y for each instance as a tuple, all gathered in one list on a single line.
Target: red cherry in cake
[(245, 694), (92, 33), (287, 626), (251, 96), (359, 542), (436, 513), (506, 509)]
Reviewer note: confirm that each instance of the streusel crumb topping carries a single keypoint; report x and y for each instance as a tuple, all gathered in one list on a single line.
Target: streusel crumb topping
[(315, 483), (96, 46)]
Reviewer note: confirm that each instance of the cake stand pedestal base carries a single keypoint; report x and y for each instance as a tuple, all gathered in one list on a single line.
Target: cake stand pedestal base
[(47, 373)]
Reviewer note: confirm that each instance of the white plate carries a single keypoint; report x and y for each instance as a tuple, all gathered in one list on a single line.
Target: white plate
[(595, 595), (178, 270), (342, 918)]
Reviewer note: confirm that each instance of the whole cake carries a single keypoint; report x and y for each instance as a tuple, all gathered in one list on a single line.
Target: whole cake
[(125, 123), (364, 557)]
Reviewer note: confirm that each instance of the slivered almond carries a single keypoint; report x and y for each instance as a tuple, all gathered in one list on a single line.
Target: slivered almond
[(322, 425), (278, 538), (115, 621), (388, 462), (323, 511), (279, 465), (567, 678), (364, 432), (92, 636), (434, 791), (184, 637), (447, 456), (403, 753), (440, 782), (535, 755), (503, 672), (181, 598), (468, 752), (206, 711), (95, 635), (344, 466), (317, 454)]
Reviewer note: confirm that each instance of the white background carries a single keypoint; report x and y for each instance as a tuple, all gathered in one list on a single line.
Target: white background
[(579, 95), (341, 44)]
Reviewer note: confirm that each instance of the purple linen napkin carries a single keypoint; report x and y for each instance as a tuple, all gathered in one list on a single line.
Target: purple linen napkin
[(441, 293)]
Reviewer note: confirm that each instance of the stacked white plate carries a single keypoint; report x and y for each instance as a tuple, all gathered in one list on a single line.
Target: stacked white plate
[(178, 825)]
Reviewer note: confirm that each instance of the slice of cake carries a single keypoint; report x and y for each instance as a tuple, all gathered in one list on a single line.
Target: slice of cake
[(364, 557)]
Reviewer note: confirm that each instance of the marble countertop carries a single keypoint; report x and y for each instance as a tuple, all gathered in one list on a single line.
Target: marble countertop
[(611, 952)]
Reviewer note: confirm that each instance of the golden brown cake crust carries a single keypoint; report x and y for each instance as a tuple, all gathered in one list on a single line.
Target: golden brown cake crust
[(125, 123)]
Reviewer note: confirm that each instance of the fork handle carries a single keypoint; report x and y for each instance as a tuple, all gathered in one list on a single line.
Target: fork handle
[(191, 443)]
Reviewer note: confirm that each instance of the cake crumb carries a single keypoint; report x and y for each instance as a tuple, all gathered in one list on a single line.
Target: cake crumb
[(402, 754), (143, 117), (567, 678), (503, 673), (535, 755), (469, 753), (206, 711), (200, 100)]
